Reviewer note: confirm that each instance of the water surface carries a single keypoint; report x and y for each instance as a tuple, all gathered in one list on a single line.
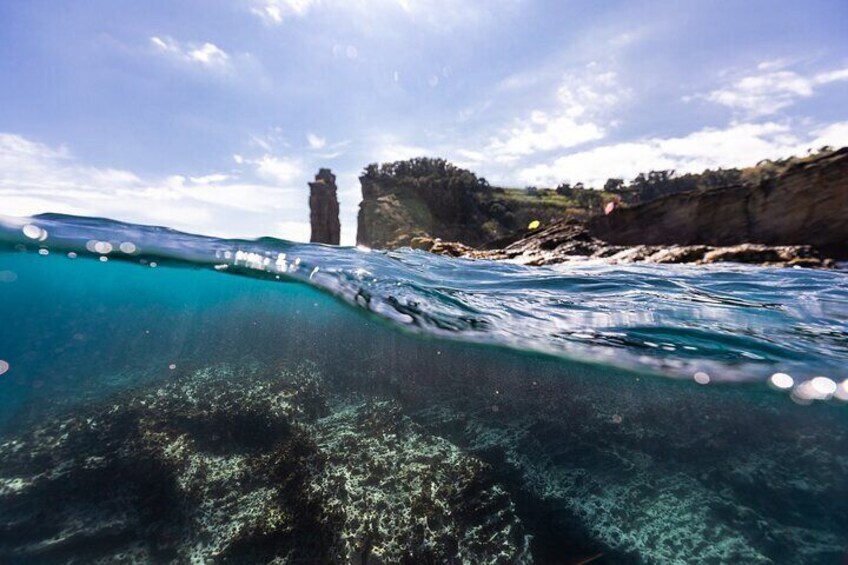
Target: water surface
[(405, 406)]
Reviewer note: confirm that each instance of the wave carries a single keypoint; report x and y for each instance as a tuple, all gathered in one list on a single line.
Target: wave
[(733, 323)]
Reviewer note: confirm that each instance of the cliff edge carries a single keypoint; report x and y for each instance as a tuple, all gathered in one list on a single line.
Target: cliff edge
[(432, 198), (805, 205)]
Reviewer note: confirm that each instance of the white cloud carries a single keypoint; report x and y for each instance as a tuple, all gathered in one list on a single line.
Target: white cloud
[(275, 11), (396, 151), (738, 145), (771, 90), (582, 101), (316, 142), (292, 230), (280, 169), (206, 55), (439, 14), (834, 135), (832, 76), (213, 178), (543, 132), (36, 178)]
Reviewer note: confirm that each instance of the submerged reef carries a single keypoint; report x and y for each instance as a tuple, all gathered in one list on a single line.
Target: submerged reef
[(656, 473), (286, 465), (237, 466)]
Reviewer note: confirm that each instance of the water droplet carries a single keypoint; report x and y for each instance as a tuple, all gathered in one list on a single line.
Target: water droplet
[(823, 385), (103, 247), (842, 391), (701, 378), (781, 381), (4, 366), (34, 232), (128, 247), (172, 366)]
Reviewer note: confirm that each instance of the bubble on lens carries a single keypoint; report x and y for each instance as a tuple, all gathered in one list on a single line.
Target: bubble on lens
[(32, 231), (781, 381), (103, 247)]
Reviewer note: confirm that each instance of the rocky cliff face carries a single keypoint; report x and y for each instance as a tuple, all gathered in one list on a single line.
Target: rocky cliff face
[(324, 208), (432, 198), (807, 204)]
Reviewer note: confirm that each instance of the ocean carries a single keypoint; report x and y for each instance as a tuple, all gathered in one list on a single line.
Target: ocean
[(173, 398)]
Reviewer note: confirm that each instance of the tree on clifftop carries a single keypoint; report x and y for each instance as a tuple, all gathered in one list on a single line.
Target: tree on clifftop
[(425, 170)]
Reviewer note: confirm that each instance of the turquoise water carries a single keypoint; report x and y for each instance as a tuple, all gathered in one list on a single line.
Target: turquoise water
[(314, 404)]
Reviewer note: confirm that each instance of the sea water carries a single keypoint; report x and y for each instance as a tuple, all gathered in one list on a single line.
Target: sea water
[(174, 398)]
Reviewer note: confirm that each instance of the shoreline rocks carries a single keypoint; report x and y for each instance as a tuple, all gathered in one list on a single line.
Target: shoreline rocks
[(572, 241)]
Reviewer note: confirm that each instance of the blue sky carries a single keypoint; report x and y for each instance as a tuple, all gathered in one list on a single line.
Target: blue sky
[(211, 116)]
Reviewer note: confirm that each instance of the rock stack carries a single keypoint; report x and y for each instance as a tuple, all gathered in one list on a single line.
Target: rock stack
[(324, 208)]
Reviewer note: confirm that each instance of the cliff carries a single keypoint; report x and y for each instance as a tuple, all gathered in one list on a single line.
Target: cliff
[(805, 205), (432, 198), (324, 208)]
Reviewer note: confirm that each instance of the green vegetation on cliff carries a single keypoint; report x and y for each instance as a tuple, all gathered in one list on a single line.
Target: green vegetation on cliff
[(426, 197), (433, 198)]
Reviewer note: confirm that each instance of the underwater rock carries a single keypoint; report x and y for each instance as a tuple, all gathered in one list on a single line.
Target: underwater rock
[(411, 497), (238, 466), (654, 476)]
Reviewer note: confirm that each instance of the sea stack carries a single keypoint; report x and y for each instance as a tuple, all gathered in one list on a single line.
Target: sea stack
[(324, 208)]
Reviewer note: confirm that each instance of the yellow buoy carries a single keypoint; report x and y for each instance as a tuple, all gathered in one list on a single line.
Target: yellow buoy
[(534, 224)]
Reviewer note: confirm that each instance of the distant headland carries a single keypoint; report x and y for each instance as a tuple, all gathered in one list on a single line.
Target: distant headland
[(787, 212)]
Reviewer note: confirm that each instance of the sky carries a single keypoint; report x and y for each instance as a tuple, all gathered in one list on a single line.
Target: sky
[(211, 116)]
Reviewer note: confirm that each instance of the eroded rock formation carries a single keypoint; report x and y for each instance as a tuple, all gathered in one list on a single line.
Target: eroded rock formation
[(433, 198), (324, 208), (798, 218), (806, 205)]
